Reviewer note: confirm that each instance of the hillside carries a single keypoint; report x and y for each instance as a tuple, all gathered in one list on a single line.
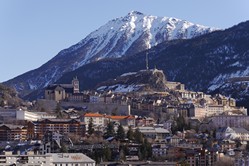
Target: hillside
[(8, 97)]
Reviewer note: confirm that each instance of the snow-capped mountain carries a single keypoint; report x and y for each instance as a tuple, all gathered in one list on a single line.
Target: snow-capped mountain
[(206, 63), (119, 37)]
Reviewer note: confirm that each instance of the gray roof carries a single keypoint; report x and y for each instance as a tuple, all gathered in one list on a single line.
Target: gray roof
[(153, 130), (11, 126), (240, 130)]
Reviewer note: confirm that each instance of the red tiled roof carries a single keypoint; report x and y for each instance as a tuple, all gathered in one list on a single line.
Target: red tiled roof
[(93, 115), (121, 117)]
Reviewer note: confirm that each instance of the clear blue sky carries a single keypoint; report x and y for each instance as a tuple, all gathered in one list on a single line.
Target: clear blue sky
[(34, 31)]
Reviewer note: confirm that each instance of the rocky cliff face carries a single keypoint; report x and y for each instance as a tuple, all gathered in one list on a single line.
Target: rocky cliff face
[(119, 37), (8, 97), (143, 80)]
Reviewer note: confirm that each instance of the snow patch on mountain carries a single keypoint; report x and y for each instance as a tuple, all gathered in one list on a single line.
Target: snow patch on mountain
[(130, 28), (219, 80), (120, 88), (128, 74)]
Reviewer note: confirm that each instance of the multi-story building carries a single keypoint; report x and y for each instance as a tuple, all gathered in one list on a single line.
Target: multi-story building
[(97, 119), (37, 129), (154, 133), (159, 150), (32, 116), (123, 120), (230, 120), (201, 157), (144, 121), (102, 120), (9, 132), (7, 114)]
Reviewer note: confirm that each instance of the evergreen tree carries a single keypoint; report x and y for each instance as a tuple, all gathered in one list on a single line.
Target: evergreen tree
[(138, 136), (107, 154), (146, 150), (109, 130), (247, 146), (130, 134), (63, 148), (90, 127), (2, 103), (120, 133), (58, 111), (124, 151)]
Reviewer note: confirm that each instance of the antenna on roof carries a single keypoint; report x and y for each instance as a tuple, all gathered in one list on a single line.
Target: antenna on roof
[(147, 61)]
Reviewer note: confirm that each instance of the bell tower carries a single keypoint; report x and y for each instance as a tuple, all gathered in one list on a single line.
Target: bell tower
[(76, 85)]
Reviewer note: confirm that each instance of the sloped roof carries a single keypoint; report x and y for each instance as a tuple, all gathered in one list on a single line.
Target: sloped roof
[(121, 117), (93, 115), (240, 130), (11, 126), (67, 87)]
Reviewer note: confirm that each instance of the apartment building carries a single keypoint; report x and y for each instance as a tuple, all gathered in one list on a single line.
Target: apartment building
[(37, 129)]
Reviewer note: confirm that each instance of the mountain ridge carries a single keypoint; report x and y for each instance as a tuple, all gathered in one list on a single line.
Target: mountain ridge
[(119, 37)]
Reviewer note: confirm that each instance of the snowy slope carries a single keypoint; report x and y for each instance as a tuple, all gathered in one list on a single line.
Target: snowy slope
[(119, 37)]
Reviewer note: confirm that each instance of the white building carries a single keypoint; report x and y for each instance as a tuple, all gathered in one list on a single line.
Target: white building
[(154, 133), (232, 133), (32, 116)]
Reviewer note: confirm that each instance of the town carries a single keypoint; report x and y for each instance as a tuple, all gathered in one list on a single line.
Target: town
[(124, 127)]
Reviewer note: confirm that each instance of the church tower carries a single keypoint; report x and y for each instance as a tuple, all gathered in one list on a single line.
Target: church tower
[(76, 85)]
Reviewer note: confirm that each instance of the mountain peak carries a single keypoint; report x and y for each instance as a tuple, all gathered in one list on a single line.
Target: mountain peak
[(135, 13)]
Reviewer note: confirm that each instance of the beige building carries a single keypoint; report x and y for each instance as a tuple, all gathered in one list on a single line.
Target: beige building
[(175, 85), (154, 133), (102, 120), (98, 119), (60, 92), (10, 132)]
